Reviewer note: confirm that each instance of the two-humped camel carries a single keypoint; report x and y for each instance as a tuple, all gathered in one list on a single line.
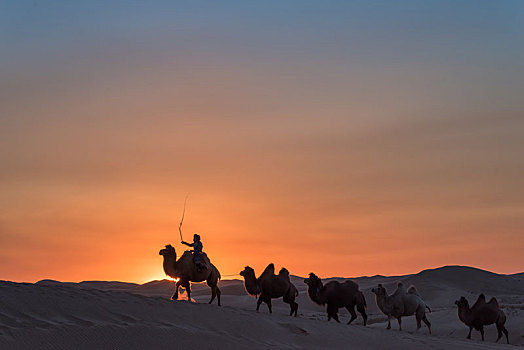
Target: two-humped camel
[(402, 303)]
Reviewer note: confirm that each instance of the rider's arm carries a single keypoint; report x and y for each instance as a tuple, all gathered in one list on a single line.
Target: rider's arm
[(188, 244)]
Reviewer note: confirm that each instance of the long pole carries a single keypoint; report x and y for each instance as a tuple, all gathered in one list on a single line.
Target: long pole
[(181, 221)]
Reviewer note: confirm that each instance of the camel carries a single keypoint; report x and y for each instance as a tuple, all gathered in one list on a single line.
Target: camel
[(402, 303), (270, 286), (185, 270), (482, 314), (337, 295)]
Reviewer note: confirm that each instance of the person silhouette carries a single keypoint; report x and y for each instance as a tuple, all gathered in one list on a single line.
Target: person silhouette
[(197, 252)]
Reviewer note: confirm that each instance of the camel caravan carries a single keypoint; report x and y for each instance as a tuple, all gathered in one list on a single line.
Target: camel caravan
[(195, 266)]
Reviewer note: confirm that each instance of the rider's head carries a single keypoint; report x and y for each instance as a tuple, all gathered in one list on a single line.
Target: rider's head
[(196, 237)]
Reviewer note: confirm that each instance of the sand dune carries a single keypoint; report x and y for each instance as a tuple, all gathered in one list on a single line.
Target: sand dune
[(117, 315)]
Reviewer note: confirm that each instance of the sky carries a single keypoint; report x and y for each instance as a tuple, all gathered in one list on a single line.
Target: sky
[(345, 138)]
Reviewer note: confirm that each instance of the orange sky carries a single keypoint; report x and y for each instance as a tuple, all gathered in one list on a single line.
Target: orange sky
[(336, 154)]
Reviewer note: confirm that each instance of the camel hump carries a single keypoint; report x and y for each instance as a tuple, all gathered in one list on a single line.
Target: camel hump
[(284, 273), (270, 269), (481, 300), (400, 289), (493, 301), (413, 290), (351, 284)]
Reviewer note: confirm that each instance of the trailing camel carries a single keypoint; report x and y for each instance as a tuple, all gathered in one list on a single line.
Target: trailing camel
[(337, 295), (402, 303), (482, 314), (270, 286), (186, 271)]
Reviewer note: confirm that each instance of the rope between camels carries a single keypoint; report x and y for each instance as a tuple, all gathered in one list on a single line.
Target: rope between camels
[(235, 274)]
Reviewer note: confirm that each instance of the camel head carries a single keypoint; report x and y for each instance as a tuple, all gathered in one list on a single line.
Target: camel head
[(314, 287), (313, 281), (462, 303), (247, 271), (379, 290), (250, 281), (167, 251)]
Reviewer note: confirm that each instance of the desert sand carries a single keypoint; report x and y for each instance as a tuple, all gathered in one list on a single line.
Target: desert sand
[(116, 315)]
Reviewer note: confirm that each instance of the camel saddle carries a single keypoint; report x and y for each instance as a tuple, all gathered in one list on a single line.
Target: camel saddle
[(203, 258)]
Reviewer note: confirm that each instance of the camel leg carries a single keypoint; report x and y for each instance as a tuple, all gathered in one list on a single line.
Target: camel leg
[(175, 295), (351, 310), (268, 302), (482, 332), (259, 301), (362, 311), (215, 291), (426, 321), (399, 323), (332, 312), (389, 322), (291, 303), (213, 294), (499, 330), (469, 334), (335, 315), (188, 291), (421, 316), (219, 292)]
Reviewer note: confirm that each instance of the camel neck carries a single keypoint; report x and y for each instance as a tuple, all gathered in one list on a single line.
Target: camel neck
[(382, 302), (314, 294), (170, 265), (250, 282), (464, 314)]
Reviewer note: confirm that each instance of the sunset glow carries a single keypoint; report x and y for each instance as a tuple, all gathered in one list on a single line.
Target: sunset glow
[(306, 137)]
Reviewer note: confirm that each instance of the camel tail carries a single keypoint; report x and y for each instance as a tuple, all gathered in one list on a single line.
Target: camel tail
[(296, 292), (427, 307)]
